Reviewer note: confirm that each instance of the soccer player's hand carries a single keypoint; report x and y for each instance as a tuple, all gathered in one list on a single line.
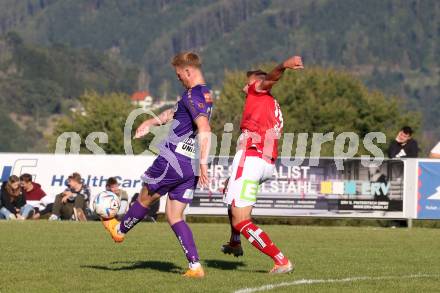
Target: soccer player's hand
[(67, 193), (294, 62), (203, 177), (142, 130), (225, 187)]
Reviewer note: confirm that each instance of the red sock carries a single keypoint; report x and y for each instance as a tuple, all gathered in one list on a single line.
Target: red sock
[(261, 241)]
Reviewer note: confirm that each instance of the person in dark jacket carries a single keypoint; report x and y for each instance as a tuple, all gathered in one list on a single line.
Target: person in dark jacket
[(71, 203), (13, 202), (404, 146)]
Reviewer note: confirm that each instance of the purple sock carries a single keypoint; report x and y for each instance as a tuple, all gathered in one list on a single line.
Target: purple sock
[(185, 237), (135, 214)]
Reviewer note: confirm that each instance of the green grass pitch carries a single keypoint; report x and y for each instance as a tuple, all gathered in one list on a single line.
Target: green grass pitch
[(41, 256)]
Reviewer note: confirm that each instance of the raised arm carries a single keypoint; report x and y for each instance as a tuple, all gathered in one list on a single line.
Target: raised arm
[(204, 140), (272, 77), (163, 118)]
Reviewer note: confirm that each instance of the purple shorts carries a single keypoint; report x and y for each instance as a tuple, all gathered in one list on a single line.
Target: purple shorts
[(162, 178)]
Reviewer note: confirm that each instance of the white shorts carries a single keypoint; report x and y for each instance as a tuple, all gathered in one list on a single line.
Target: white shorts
[(248, 172)]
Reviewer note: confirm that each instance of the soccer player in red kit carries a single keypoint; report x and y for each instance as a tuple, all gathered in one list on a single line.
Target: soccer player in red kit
[(261, 126)]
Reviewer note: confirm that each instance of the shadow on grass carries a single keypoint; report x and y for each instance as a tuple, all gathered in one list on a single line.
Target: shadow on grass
[(139, 265), (223, 265)]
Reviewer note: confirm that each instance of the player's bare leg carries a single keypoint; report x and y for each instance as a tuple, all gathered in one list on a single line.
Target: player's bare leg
[(234, 245), (134, 215), (174, 211), (241, 219)]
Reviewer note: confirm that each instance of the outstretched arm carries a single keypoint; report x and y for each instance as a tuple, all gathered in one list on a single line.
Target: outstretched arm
[(271, 79), (163, 118)]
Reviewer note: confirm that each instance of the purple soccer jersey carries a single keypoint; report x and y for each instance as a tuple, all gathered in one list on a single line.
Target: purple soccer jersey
[(172, 172), (194, 103)]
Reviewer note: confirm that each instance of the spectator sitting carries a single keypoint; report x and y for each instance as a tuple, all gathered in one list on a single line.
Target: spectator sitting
[(13, 202), (435, 152), (32, 193), (113, 186), (73, 201), (404, 146)]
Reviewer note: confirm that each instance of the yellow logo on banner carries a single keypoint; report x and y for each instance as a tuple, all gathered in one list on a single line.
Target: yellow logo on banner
[(326, 187)]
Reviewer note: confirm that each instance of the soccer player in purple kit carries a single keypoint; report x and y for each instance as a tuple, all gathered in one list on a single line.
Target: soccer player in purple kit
[(174, 171)]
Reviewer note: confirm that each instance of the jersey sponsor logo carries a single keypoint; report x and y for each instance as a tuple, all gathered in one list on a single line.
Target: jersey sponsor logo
[(249, 190), (187, 148), (188, 194)]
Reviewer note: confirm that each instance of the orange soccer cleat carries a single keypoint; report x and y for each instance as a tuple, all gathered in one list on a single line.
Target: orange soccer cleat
[(194, 273), (111, 226), (282, 269)]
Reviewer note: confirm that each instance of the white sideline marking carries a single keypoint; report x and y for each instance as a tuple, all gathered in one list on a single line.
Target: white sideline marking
[(345, 280)]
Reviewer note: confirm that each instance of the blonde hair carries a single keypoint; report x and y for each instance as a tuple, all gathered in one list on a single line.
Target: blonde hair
[(187, 59)]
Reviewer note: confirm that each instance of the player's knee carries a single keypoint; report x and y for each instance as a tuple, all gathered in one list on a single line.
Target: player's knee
[(146, 200), (173, 218)]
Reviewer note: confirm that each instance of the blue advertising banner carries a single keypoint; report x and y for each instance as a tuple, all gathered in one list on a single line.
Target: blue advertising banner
[(428, 206)]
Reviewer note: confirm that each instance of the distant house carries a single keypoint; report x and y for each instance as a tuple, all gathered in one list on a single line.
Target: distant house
[(142, 99)]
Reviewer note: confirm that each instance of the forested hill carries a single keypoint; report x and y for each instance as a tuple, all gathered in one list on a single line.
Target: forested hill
[(392, 45), (38, 83)]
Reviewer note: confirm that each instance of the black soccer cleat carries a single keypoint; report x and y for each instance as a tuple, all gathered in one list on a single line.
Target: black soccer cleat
[(235, 249)]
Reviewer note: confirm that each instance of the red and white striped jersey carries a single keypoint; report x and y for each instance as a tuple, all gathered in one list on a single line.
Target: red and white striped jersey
[(261, 123)]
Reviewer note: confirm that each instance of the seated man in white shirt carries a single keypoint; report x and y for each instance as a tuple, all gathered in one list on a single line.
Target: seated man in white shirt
[(113, 186)]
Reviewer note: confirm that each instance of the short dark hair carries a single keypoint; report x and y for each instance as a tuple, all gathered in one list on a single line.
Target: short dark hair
[(407, 130), (76, 177), (111, 181), (26, 177), (255, 72)]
